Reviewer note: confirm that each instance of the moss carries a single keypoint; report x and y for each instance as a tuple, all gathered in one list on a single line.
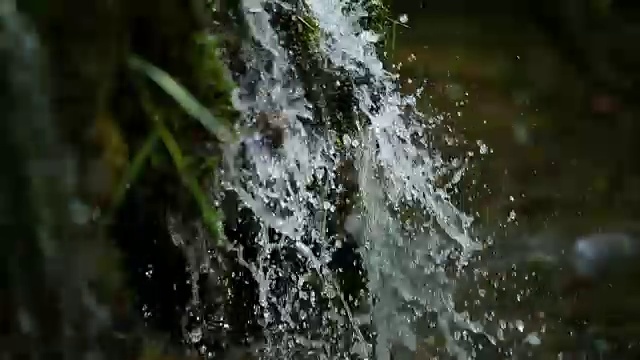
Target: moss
[(310, 31), (378, 19), (113, 158), (327, 88), (212, 86), (215, 84)]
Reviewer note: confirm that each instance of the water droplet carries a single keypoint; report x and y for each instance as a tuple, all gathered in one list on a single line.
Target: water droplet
[(370, 36), (533, 339), (360, 348), (80, 212), (346, 139), (484, 149)]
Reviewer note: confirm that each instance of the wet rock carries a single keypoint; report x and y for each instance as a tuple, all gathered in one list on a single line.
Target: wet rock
[(596, 256), (579, 293), (272, 127), (589, 257), (603, 292)]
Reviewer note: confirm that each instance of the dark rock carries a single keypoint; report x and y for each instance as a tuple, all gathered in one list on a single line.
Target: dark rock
[(597, 255)]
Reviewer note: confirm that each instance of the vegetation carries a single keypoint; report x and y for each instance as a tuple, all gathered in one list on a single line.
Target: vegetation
[(142, 99)]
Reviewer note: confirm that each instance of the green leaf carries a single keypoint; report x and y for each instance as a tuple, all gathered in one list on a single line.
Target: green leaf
[(187, 101)]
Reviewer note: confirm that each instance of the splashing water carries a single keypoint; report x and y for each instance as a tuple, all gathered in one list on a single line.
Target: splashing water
[(405, 258)]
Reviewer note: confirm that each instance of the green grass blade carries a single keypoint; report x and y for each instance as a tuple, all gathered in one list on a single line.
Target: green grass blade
[(187, 101), (129, 177), (210, 216), (135, 168)]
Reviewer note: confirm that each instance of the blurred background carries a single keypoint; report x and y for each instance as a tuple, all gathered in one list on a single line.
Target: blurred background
[(549, 86), (541, 97)]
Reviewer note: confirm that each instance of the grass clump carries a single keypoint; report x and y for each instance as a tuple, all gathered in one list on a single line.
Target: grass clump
[(185, 165)]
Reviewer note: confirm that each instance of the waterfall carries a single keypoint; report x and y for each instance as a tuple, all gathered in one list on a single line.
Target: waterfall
[(287, 188)]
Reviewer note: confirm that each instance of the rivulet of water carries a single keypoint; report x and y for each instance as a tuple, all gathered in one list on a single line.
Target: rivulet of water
[(274, 185), (407, 259)]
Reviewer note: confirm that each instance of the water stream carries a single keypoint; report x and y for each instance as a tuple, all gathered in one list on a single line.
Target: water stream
[(406, 259)]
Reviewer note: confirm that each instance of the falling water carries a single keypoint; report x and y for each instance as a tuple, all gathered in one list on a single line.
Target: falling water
[(408, 260)]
